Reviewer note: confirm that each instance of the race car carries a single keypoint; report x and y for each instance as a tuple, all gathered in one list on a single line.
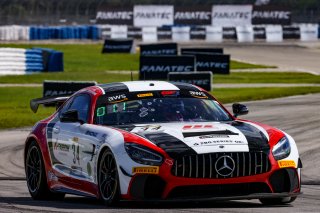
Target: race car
[(157, 141)]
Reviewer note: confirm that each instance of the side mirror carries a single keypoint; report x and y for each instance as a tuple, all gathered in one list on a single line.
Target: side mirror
[(70, 116), (239, 109)]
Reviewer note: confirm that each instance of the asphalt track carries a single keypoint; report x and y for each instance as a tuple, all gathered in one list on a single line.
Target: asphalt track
[(298, 115)]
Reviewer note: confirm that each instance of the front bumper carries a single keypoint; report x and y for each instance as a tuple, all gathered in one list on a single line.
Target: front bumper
[(276, 183)]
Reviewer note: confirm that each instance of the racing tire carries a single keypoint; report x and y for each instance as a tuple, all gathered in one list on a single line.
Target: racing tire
[(108, 179), (36, 175), (277, 201)]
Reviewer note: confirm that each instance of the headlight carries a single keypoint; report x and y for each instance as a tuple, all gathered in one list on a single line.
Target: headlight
[(282, 149), (143, 155)]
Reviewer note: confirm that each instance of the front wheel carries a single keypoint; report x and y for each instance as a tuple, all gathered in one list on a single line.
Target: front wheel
[(277, 201), (108, 179), (36, 175)]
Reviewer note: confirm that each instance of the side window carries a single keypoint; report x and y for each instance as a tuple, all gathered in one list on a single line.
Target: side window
[(80, 103)]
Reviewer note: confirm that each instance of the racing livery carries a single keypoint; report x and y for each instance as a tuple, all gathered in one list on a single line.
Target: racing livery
[(155, 140)]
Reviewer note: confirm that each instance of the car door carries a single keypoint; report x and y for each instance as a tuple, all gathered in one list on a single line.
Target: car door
[(74, 148)]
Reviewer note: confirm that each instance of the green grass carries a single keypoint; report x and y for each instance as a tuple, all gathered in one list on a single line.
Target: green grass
[(15, 110), (85, 62)]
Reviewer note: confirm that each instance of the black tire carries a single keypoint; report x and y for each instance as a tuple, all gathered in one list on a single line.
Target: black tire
[(36, 175), (108, 179), (277, 201)]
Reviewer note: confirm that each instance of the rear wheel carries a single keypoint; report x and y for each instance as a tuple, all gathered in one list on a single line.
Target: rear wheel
[(108, 179), (277, 201), (36, 175)]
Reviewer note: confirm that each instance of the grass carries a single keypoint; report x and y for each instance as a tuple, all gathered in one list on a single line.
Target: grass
[(85, 62), (15, 110)]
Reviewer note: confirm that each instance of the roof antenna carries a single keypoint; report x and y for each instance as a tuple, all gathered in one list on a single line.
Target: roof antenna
[(131, 76)]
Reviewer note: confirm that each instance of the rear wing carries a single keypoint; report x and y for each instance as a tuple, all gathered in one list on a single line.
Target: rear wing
[(34, 104)]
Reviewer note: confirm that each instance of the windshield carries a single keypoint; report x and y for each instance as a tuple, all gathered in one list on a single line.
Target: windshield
[(159, 110)]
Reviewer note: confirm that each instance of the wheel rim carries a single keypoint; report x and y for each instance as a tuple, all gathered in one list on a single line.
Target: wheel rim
[(108, 181), (33, 169)]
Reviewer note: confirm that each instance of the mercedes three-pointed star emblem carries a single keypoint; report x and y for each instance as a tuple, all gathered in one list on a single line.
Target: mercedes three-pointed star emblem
[(225, 165)]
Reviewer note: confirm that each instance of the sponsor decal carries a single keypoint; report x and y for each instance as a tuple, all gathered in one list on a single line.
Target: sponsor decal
[(143, 95), (150, 127), (198, 94), (61, 147), (215, 142), (214, 136), (117, 98), (286, 163), (75, 139), (101, 111), (90, 133), (169, 162), (52, 176), (145, 170)]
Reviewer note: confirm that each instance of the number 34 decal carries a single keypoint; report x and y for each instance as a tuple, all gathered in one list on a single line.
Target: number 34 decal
[(76, 153)]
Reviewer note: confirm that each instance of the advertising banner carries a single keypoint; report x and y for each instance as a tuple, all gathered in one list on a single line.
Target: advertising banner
[(259, 32), (291, 32), (198, 33), (158, 67), (134, 32), (274, 33), (201, 79), (181, 34), (153, 15), (149, 34), (309, 32), (115, 15), (201, 50), (119, 32), (216, 63), (159, 49), (229, 33), (270, 15), (245, 33), (231, 15), (117, 46), (164, 33), (192, 15), (59, 88), (214, 34)]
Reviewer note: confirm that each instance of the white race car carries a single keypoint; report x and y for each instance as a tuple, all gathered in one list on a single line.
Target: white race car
[(154, 140)]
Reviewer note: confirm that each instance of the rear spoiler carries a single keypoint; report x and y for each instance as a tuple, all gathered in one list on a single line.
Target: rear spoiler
[(34, 104)]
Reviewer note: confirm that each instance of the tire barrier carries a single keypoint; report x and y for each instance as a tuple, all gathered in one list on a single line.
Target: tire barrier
[(18, 61), (64, 32)]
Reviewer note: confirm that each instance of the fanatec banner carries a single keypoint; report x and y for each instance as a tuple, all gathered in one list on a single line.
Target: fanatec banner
[(153, 15), (231, 15), (117, 46), (201, 79), (270, 15), (158, 67), (192, 15), (115, 16), (159, 49), (55, 88)]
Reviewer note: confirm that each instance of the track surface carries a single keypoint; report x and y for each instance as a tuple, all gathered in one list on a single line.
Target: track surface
[(299, 116)]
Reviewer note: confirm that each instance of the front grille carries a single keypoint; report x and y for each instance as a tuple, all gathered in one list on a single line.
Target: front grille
[(204, 165)]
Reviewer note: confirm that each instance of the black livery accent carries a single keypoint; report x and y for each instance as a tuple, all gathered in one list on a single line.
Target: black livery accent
[(257, 141), (195, 134), (170, 144)]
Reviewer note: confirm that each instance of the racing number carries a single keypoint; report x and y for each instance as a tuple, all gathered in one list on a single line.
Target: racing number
[(76, 153)]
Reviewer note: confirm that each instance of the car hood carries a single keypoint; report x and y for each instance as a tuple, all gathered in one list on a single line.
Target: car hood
[(205, 137)]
